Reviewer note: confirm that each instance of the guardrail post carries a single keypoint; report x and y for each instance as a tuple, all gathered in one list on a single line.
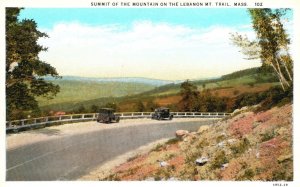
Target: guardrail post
[(82, 116), (209, 114), (71, 117), (34, 121), (59, 118), (46, 119), (94, 116), (22, 122)]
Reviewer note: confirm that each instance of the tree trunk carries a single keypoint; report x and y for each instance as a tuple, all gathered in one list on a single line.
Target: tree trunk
[(284, 81), (278, 75)]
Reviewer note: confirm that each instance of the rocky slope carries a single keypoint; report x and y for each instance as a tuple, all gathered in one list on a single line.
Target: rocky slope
[(247, 146)]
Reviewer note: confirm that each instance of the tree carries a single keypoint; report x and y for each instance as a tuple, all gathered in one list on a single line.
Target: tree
[(94, 108), (190, 97), (139, 106), (24, 69), (150, 106), (271, 45), (111, 105)]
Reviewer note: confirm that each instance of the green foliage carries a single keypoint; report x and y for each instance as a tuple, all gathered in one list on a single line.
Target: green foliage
[(151, 106), (94, 109), (172, 141), (273, 96), (247, 175), (218, 159), (88, 90), (240, 147), (24, 69), (157, 148), (268, 135), (68, 100), (281, 175), (80, 109), (139, 106), (240, 73), (202, 143), (190, 97), (271, 45), (111, 105)]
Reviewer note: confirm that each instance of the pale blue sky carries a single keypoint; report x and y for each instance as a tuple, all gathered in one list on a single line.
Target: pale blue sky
[(164, 43), (196, 17)]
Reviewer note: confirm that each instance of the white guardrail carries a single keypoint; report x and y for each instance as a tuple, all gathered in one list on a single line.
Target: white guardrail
[(17, 125)]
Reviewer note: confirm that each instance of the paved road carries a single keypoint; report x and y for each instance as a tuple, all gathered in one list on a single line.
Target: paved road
[(69, 157)]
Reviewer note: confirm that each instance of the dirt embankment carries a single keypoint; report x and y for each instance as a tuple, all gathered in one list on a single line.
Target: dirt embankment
[(248, 146)]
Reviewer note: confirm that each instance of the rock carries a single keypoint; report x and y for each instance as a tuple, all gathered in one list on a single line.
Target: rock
[(236, 111), (257, 155), (163, 164), (224, 166), (221, 144), (281, 131), (284, 158), (231, 141), (202, 161), (244, 108), (203, 128), (181, 133)]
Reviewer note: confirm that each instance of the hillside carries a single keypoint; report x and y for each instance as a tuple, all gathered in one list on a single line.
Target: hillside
[(249, 146), (127, 94), (75, 91)]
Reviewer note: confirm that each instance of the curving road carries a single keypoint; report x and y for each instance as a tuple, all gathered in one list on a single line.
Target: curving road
[(58, 153)]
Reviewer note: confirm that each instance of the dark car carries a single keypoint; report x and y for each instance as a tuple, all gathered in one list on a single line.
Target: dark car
[(106, 115), (162, 113)]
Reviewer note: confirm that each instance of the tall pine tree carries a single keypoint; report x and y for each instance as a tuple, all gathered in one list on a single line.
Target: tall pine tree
[(24, 69)]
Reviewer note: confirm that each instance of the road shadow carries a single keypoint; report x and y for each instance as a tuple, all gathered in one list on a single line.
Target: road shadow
[(46, 131)]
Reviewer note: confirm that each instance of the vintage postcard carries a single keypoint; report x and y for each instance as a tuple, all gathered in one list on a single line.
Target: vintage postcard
[(165, 91)]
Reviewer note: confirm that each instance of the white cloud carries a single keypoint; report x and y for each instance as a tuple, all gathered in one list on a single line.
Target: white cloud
[(156, 50)]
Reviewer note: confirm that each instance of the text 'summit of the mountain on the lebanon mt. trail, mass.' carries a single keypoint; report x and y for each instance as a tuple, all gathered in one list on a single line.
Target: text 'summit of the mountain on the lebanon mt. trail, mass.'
[(168, 4)]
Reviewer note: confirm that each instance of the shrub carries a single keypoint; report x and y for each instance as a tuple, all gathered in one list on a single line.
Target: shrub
[(219, 159), (172, 141), (236, 92), (157, 148), (240, 147), (268, 135), (247, 175), (203, 143)]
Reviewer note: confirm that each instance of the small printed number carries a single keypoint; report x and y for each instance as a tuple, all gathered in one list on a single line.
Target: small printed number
[(258, 4), (280, 184)]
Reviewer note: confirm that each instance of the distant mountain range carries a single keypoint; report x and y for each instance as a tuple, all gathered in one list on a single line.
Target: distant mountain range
[(154, 82)]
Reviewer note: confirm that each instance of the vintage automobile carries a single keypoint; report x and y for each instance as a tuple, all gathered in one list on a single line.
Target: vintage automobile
[(106, 115), (162, 113)]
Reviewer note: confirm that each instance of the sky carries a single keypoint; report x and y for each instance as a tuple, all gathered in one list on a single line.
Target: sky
[(162, 43)]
